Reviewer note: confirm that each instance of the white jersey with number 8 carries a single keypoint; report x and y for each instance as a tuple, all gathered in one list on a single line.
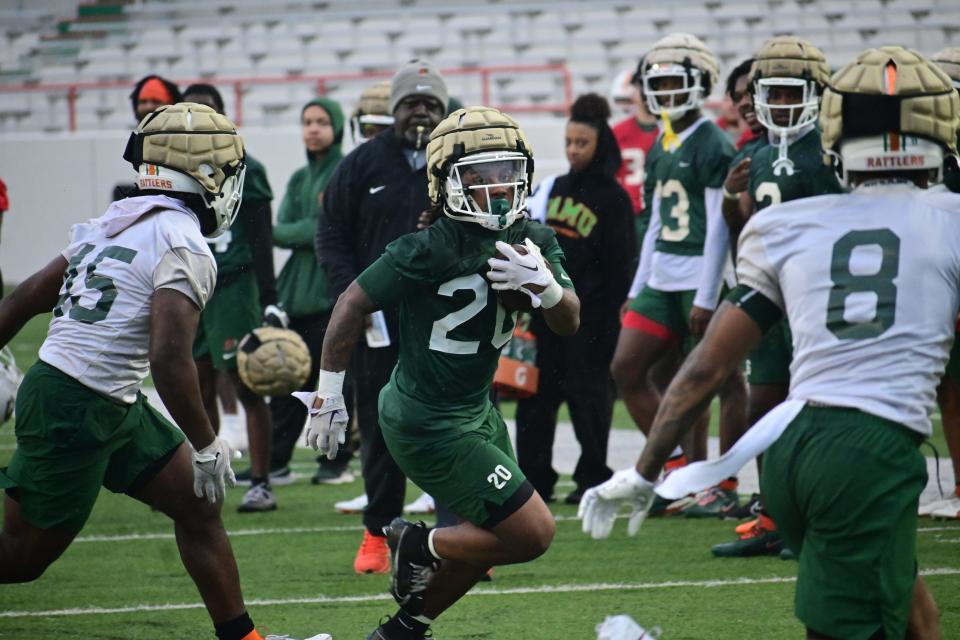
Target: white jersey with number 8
[(869, 281), (100, 331)]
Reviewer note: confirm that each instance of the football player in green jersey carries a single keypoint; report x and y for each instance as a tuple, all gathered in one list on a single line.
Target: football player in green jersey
[(435, 412), (245, 291), (786, 79), (686, 246)]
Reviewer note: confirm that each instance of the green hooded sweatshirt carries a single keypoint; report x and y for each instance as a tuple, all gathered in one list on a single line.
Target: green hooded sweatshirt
[(302, 284)]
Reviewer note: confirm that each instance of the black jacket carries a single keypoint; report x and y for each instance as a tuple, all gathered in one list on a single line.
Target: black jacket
[(593, 218), (373, 198)]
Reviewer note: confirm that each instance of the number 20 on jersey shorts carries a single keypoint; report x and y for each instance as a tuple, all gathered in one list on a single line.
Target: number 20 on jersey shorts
[(474, 473)]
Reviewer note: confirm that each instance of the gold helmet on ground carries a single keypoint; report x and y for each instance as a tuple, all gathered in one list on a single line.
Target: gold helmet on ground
[(190, 148), (476, 157), (273, 361), (891, 109), (680, 55)]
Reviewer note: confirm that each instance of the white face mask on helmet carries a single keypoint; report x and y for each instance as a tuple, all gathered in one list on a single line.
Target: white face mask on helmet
[(487, 188), (224, 205), (676, 102)]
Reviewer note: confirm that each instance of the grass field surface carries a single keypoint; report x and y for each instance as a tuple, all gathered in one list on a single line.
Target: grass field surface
[(122, 579)]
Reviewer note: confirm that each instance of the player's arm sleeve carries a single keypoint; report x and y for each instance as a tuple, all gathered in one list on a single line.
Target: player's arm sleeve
[(554, 255), (754, 268), (716, 247), (383, 282), (647, 249), (334, 231), (192, 274)]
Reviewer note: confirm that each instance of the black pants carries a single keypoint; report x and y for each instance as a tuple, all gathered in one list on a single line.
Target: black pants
[(384, 482), (575, 370), (289, 414)]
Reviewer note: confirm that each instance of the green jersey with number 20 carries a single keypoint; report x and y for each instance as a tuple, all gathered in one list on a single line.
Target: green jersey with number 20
[(810, 176), (869, 281), (451, 325)]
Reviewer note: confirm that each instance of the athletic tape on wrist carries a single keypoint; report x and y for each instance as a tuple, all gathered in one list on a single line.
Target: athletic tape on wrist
[(330, 383), (433, 550), (552, 295)]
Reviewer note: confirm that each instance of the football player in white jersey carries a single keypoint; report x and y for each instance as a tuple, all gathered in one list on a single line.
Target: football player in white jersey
[(869, 281), (126, 296)]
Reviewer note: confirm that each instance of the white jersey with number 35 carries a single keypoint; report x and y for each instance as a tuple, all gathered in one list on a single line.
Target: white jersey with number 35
[(100, 331), (869, 281)]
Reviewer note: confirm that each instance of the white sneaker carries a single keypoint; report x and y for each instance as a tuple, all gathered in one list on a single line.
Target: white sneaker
[(949, 510), (357, 505), (423, 504), (933, 505), (233, 429), (257, 498)]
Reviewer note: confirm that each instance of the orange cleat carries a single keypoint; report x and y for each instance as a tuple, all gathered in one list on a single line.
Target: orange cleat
[(373, 556)]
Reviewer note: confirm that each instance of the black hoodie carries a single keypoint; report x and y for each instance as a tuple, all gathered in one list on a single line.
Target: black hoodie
[(593, 218)]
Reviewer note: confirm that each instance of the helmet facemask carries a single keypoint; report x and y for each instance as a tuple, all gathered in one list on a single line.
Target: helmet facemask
[(787, 121), (692, 87), (488, 188), (226, 204)]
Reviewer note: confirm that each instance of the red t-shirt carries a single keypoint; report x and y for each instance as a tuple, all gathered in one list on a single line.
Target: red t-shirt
[(4, 200), (635, 141)]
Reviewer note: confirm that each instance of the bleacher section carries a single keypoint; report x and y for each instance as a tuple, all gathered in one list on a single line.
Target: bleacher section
[(51, 42)]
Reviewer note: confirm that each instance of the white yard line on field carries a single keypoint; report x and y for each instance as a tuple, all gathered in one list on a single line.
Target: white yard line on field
[(562, 588), (266, 531)]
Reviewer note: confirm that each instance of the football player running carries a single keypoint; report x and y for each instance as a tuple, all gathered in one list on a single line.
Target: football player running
[(126, 296), (685, 249), (435, 412), (869, 282), (786, 80)]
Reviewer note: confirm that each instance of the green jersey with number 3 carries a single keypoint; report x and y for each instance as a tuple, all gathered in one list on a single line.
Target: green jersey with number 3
[(810, 176), (869, 281), (451, 325), (233, 249), (679, 180)]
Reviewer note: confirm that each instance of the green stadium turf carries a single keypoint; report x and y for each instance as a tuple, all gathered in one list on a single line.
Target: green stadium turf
[(122, 579)]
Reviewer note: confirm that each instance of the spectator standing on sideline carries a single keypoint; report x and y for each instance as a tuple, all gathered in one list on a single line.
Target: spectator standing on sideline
[(245, 292), (148, 94), (302, 285), (375, 196), (593, 218)]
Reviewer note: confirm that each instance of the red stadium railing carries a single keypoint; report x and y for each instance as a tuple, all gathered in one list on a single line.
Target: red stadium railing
[(486, 75)]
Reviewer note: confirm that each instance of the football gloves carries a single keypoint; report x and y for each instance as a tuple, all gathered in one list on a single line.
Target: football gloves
[(275, 316), (599, 505), (520, 272), (211, 471), (327, 417)]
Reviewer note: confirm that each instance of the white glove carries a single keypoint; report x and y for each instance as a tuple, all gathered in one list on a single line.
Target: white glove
[(519, 272), (274, 316), (211, 471), (327, 425), (599, 505)]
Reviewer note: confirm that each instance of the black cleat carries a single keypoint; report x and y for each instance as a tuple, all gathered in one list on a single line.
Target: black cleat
[(401, 632), (412, 566)]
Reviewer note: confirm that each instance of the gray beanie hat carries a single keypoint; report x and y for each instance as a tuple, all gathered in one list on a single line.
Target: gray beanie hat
[(417, 77)]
